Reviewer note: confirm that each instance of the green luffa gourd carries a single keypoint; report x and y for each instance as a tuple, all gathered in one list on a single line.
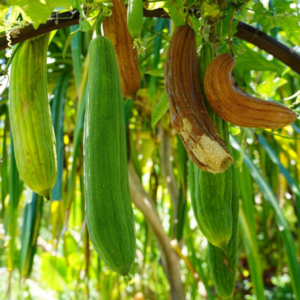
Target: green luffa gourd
[(34, 140), (135, 18), (109, 213), (211, 194), (215, 204)]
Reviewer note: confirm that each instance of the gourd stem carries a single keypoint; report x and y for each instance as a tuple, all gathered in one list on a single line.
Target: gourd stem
[(98, 25)]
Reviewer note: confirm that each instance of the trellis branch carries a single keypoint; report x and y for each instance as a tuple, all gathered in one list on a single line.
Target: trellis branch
[(244, 32), (170, 260), (168, 175)]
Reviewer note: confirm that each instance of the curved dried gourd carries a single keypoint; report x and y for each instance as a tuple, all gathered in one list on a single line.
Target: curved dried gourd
[(187, 108), (235, 106), (115, 28)]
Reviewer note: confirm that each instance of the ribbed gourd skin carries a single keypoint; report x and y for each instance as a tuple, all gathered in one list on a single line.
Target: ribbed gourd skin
[(30, 118), (135, 18), (224, 203), (109, 213), (211, 197), (223, 265)]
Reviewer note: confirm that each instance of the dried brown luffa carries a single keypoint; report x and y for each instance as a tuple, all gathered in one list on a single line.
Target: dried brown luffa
[(189, 114), (115, 28), (237, 107)]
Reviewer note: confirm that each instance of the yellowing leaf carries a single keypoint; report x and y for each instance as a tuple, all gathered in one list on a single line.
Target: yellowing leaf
[(38, 11)]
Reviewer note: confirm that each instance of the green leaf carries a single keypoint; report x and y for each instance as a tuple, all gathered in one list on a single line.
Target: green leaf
[(288, 22), (235, 130), (210, 11), (31, 222), (76, 4), (196, 25), (85, 26), (258, 8), (290, 26), (283, 226), (172, 9), (253, 256), (37, 11), (248, 227), (4, 165), (68, 42), (248, 59), (52, 34), (158, 27), (223, 26), (275, 159), (57, 114), (71, 243), (7, 13), (154, 72), (54, 271), (77, 141), (270, 85), (160, 109), (76, 50), (15, 191)]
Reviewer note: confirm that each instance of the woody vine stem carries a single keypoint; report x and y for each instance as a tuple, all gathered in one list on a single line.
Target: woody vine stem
[(244, 32)]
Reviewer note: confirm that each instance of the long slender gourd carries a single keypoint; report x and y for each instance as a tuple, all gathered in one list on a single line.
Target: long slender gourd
[(222, 263), (211, 194), (115, 28), (235, 106), (187, 108), (35, 147), (211, 201), (109, 213), (211, 197)]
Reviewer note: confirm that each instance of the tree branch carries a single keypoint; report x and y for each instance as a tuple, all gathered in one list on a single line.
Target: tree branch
[(244, 32), (169, 258), (168, 174)]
